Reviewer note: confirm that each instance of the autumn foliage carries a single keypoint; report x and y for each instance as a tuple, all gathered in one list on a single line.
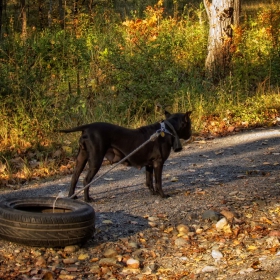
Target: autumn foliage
[(100, 65)]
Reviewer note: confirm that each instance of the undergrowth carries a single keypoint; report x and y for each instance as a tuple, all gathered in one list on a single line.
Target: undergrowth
[(120, 70)]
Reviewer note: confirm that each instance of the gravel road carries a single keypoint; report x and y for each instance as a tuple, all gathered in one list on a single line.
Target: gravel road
[(236, 177)]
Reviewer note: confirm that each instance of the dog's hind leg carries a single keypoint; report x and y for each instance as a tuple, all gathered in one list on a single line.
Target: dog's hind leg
[(94, 161), (149, 178), (81, 161)]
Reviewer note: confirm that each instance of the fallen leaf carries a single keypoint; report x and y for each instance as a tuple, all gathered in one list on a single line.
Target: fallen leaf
[(265, 220), (252, 248)]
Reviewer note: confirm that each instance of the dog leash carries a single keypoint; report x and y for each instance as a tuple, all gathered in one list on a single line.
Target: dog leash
[(153, 137)]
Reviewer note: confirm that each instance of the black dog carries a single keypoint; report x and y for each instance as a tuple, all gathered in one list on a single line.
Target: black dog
[(105, 140)]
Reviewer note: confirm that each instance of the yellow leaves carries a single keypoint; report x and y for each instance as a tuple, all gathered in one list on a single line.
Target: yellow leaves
[(169, 229), (265, 220), (162, 270), (145, 30), (251, 248)]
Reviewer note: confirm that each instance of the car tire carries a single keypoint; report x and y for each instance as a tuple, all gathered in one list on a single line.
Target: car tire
[(34, 221)]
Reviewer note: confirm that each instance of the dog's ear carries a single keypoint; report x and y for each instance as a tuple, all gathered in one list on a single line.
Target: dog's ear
[(187, 115), (167, 114)]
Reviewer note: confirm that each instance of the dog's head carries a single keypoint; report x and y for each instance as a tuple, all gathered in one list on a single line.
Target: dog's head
[(182, 125)]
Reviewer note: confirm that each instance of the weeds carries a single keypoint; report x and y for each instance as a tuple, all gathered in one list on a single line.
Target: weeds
[(107, 69)]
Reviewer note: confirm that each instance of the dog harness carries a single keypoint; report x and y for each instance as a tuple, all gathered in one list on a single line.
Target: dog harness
[(177, 147), (164, 130)]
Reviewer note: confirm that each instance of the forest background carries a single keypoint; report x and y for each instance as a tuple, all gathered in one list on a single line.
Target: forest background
[(66, 63)]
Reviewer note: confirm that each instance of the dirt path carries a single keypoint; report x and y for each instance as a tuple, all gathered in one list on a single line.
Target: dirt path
[(236, 177)]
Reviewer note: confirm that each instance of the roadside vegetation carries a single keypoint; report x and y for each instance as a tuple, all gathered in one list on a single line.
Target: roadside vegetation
[(115, 67)]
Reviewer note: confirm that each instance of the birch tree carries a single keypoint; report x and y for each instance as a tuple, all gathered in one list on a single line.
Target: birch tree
[(222, 15)]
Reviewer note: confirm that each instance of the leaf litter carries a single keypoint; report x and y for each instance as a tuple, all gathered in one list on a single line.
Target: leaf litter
[(227, 230)]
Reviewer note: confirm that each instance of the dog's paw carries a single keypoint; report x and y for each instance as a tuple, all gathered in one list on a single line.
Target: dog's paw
[(89, 199), (75, 197), (165, 195), (153, 192)]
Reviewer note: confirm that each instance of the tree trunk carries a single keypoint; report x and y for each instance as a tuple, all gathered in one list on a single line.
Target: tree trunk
[(1, 21), (50, 14), (61, 13), (23, 20), (221, 15)]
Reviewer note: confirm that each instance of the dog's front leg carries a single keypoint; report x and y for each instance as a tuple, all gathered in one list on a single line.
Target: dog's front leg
[(149, 178), (158, 166)]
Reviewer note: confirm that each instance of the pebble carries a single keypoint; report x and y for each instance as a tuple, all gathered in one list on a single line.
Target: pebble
[(66, 277), (70, 260), (152, 224), (221, 224), (208, 268), (41, 261), (108, 262), (228, 215), (274, 233), (71, 268), (71, 249), (180, 242), (246, 270), (183, 229), (152, 219), (95, 269), (132, 263), (210, 215), (83, 257), (217, 255), (110, 253), (133, 245), (127, 270)]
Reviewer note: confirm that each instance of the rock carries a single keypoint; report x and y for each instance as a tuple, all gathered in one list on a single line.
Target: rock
[(274, 233), (180, 242), (152, 219), (41, 261), (133, 263), (183, 229), (233, 193), (221, 224), (246, 270), (110, 253), (133, 245), (216, 255), (210, 215), (71, 268), (152, 224), (208, 268), (71, 249), (108, 262), (228, 215), (127, 270), (83, 257), (95, 269), (147, 270), (69, 260), (66, 277)]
